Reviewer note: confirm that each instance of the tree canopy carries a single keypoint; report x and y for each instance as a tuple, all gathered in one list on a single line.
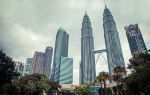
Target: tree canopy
[(33, 84), (7, 73), (138, 81)]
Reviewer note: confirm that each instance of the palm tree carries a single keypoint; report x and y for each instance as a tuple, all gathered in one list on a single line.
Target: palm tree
[(102, 77), (119, 76)]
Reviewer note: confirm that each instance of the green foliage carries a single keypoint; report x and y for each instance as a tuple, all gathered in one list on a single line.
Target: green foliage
[(67, 92), (102, 77), (119, 74), (139, 81), (139, 60), (7, 73), (84, 90), (32, 85), (7, 67), (54, 87)]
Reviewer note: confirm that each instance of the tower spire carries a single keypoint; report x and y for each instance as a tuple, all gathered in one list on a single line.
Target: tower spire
[(105, 3), (112, 42), (85, 13)]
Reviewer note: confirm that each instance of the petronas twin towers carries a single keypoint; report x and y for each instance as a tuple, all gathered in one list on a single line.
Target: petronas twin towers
[(87, 48), (112, 41), (113, 47)]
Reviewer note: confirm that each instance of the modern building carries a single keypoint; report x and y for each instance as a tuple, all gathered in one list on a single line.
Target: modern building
[(48, 61), (42, 62), (87, 49), (28, 66), (60, 57), (112, 41), (38, 62), (81, 73), (19, 67), (135, 39), (66, 71)]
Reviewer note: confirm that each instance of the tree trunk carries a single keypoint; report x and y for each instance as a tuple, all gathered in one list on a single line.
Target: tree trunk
[(101, 87), (105, 88)]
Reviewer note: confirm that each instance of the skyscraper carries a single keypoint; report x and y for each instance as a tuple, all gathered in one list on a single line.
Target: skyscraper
[(48, 60), (61, 51), (135, 39), (38, 63), (81, 73), (28, 66), (87, 48), (112, 41), (42, 62), (19, 67), (66, 71)]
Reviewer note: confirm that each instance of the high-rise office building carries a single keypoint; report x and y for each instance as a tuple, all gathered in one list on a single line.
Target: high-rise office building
[(38, 63), (42, 62), (135, 39), (81, 73), (61, 51), (19, 67), (87, 48), (48, 61), (66, 71), (112, 41), (28, 66)]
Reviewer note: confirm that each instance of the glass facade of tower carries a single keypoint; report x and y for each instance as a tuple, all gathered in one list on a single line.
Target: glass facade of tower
[(112, 41), (135, 39), (66, 68), (61, 50), (48, 60), (28, 66), (87, 48), (81, 73)]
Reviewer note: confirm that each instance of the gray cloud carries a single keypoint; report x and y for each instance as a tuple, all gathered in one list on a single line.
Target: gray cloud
[(29, 25)]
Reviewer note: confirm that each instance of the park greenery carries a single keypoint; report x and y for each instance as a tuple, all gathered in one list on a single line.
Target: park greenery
[(136, 83), (7, 73), (83, 90)]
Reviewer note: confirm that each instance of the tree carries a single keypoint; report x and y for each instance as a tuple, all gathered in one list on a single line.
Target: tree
[(83, 90), (119, 74), (54, 86), (102, 77), (7, 73), (139, 60), (138, 82), (33, 84)]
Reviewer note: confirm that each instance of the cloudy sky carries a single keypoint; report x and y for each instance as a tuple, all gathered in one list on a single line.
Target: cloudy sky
[(31, 25)]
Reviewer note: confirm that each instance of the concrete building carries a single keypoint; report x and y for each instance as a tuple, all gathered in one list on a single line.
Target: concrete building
[(38, 63), (48, 61), (135, 39), (42, 62)]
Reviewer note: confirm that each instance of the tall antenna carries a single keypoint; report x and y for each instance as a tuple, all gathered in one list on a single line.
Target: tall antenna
[(105, 2)]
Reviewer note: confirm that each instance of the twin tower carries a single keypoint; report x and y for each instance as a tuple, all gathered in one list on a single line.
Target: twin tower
[(62, 65), (113, 47)]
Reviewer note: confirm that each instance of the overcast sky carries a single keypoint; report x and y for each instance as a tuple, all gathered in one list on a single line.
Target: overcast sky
[(31, 25)]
